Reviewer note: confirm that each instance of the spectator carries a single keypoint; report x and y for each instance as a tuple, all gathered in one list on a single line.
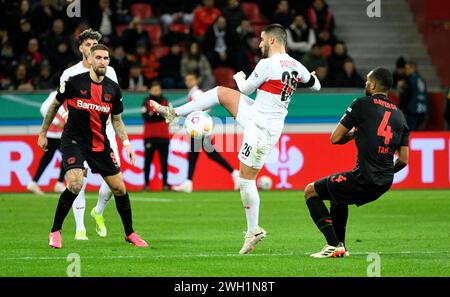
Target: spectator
[(121, 64), (349, 78), (170, 66), (233, 14), (327, 41), (238, 41), (45, 80), (337, 59), (204, 17), (414, 97), (103, 18), (55, 36), (20, 80), (7, 64), (282, 14), (216, 43), (136, 81), (195, 62), (32, 57), (135, 34), (299, 7), (300, 37), (313, 58), (62, 57), (399, 72), (42, 17), (148, 60), (175, 11), (24, 35), (249, 57), (324, 77), (320, 17), (13, 22), (156, 134)]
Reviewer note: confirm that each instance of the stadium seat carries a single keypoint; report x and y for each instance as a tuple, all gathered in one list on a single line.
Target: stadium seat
[(224, 77), (142, 10), (154, 33), (251, 10), (179, 28), (257, 28), (121, 28)]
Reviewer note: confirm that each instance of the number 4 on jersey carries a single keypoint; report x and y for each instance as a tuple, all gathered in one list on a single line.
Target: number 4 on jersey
[(384, 129)]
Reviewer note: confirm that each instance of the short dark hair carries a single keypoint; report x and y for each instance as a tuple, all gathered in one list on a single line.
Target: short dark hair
[(155, 83), (89, 34), (383, 77), (278, 32), (99, 46)]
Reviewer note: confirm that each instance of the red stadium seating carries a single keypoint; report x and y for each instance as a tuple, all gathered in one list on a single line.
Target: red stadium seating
[(121, 28), (154, 32), (251, 10), (224, 77), (160, 50), (142, 10), (179, 28), (257, 28)]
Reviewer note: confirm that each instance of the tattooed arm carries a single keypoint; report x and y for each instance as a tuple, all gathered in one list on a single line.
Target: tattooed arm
[(50, 115), (119, 128)]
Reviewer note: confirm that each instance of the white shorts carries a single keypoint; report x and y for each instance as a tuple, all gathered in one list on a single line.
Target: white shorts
[(256, 145), (244, 110)]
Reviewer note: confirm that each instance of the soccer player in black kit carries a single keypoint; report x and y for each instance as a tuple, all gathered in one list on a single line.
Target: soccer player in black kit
[(91, 98), (379, 129)]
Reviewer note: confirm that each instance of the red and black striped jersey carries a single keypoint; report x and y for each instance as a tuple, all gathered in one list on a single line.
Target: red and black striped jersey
[(89, 105)]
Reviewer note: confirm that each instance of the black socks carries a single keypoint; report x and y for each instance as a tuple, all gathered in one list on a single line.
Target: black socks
[(322, 219), (339, 215), (124, 208), (64, 204)]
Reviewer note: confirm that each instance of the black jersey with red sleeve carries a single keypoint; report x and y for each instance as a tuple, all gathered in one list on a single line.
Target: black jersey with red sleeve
[(380, 129), (89, 105)]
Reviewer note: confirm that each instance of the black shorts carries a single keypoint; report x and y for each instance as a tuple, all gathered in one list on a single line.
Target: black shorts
[(344, 188), (104, 163)]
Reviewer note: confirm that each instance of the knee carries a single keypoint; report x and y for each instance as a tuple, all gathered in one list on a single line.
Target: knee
[(309, 191), (119, 189), (75, 186)]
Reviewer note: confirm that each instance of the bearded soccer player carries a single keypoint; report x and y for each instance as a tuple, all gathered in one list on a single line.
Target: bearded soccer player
[(91, 99), (379, 129), (275, 78)]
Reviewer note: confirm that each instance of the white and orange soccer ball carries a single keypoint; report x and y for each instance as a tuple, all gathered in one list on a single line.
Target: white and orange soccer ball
[(198, 124)]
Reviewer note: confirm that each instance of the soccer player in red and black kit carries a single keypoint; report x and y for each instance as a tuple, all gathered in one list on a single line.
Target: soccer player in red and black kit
[(379, 129), (91, 97)]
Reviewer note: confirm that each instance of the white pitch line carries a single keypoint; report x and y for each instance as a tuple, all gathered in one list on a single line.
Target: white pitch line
[(149, 256), (20, 100)]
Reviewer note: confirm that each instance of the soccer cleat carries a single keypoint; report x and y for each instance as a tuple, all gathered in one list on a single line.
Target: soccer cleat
[(134, 239), (251, 239), (100, 226), (81, 235), (55, 239), (330, 251), (185, 187), (34, 188), (168, 112), (235, 175), (59, 187)]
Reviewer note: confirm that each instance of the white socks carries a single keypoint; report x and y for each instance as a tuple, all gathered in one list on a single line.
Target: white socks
[(202, 102), (104, 195), (250, 200), (79, 206)]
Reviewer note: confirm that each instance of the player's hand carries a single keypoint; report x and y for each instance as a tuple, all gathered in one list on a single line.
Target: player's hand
[(42, 141), (314, 74), (131, 154), (239, 75)]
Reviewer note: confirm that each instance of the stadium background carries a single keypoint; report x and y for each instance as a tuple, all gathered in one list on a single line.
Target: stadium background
[(304, 152)]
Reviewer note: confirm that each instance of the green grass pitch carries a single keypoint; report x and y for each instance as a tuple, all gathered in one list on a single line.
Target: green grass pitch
[(200, 234)]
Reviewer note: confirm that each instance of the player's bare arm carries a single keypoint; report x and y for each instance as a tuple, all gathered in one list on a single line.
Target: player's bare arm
[(341, 135), (119, 127), (50, 115), (402, 160)]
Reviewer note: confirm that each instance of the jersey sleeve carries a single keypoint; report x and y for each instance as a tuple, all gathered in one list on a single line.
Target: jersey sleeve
[(303, 76), (351, 117), (259, 74), (65, 91), (118, 102), (112, 74)]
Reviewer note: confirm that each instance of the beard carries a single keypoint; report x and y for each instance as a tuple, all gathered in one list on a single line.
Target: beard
[(100, 71), (265, 51)]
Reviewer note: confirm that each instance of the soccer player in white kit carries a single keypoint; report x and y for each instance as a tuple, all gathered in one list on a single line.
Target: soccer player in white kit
[(87, 39), (276, 77)]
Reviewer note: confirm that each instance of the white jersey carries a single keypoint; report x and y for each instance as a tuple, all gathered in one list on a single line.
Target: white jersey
[(275, 79), (110, 73)]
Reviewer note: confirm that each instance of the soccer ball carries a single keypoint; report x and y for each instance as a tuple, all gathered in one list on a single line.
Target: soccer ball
[(265, 183), (198, 124)]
